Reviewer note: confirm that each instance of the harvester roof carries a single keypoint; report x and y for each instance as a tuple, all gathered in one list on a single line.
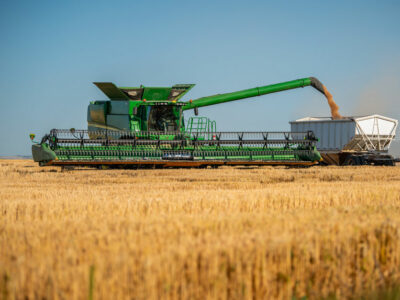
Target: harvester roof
[(173, 93)]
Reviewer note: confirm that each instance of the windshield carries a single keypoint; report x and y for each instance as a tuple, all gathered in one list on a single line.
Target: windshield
[(163, 118)]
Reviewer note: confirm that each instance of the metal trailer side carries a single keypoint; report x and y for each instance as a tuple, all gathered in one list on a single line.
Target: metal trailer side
[(351, 140)]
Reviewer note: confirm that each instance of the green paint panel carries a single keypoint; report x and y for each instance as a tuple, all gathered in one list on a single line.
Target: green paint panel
[(42, 152), (156, 93)]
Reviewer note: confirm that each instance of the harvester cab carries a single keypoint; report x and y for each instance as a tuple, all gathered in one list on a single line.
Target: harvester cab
[(138, 109)]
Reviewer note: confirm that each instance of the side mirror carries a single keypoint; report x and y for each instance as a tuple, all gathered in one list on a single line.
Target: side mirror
[(196, 111)]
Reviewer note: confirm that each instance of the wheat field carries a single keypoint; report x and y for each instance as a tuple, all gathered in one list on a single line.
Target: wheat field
[(227, 233)]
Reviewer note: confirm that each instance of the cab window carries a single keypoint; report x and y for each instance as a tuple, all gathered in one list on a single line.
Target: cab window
[(162, 118)]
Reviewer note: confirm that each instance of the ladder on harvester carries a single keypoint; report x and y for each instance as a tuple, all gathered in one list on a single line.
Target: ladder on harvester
[(202, 126)]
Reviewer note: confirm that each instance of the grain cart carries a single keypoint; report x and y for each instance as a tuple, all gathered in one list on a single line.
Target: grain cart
[(145, 126), (352, 140)]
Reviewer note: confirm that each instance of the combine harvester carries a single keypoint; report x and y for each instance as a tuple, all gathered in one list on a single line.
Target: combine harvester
[(144, 127)]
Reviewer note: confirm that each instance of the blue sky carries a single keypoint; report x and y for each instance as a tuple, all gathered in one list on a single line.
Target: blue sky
[(52, 51)]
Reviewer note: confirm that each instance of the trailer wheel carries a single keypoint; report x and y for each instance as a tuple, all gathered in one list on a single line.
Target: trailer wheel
[(362, 161), (384, 160), (353, 160), (388, 162), (349, 161)]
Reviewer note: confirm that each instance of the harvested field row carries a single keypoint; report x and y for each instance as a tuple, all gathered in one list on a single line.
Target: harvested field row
[(228, 233)]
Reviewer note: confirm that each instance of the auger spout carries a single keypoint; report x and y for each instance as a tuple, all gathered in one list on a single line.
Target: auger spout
[(257, 91)]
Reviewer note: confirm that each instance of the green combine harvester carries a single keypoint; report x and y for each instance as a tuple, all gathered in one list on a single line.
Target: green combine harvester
[(145, 127)]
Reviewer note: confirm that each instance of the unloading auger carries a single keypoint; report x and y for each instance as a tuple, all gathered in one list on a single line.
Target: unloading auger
[(145, 127)]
